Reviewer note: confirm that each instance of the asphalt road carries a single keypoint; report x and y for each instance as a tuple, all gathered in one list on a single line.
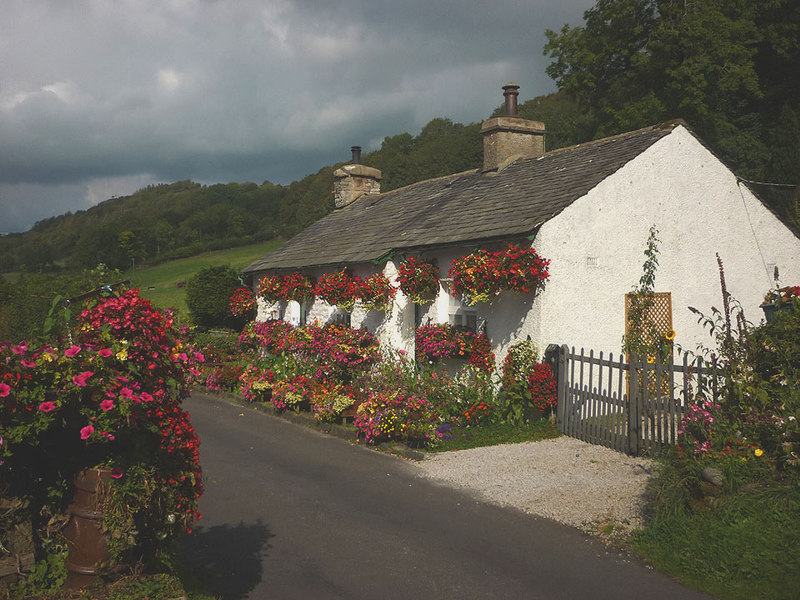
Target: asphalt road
[(291, 513)]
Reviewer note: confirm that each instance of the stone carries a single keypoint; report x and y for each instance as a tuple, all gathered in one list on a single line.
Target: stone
[(713, 476)]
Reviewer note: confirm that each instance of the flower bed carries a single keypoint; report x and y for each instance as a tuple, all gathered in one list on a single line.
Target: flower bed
[(437, 342)]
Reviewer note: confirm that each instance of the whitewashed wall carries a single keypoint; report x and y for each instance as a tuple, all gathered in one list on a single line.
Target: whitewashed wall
[(596, 247), (699, 209)]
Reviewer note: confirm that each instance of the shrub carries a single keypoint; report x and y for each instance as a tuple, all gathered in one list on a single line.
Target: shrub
[(208, 294)]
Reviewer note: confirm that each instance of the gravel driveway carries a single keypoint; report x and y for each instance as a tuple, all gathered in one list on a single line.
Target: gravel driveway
[(564, 479)]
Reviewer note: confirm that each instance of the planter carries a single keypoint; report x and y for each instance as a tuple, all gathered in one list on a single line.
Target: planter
[(85, 539), (770, 310)]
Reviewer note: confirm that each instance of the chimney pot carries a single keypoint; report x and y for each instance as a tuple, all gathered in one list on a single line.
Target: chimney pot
[(356, 150), (510, 92)]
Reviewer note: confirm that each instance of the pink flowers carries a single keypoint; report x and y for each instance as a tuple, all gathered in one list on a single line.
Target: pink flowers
[(27, 363), (104, 353), (87, 432), (72, 351), (5, 390), (80, 380), (116, 473), (145, 397), (22, 348), (47, 406), (106, 405)]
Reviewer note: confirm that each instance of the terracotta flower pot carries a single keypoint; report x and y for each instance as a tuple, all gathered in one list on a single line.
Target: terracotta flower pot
[(87, 544)]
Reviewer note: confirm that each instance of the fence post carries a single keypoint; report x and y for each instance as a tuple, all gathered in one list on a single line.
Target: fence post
[(634, 421), (561, 384)]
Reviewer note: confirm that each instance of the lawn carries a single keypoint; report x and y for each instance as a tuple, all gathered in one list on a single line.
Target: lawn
[(159, 284)]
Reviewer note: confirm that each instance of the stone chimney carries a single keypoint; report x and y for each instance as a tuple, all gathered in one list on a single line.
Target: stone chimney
[(509, 137), (355, 180)]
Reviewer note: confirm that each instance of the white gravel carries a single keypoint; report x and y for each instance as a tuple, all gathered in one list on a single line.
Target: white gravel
[(563, 479)]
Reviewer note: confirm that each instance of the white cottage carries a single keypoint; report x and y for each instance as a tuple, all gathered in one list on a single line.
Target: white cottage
[(587, 208)]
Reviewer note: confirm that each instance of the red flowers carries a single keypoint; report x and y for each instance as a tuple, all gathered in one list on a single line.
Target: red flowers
[(482, 275), (242, 301), (377, 292), (419, 280), (276, 288), (339, 289)]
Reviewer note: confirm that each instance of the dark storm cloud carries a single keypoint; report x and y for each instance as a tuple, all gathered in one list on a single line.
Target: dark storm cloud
[(99, 96)]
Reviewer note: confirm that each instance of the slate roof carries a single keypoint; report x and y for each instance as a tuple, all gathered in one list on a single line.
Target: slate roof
[(461, 208)]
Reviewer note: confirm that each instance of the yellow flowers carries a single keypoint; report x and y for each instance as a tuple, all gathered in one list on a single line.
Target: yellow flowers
[(651, 359), (122, 354), (670, 335), (758, 452)]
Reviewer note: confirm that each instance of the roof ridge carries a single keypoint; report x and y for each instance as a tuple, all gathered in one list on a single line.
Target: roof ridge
[(672, 124)]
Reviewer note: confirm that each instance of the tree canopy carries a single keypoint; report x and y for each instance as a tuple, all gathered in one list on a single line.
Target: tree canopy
[(729, 68)]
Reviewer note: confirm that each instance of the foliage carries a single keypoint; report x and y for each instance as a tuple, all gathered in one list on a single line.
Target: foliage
[(528, 387), (739, 549), (27, 304), (482, 275), (419, 280), (642, 336), (208, 295), (110, 397), (728, 68)]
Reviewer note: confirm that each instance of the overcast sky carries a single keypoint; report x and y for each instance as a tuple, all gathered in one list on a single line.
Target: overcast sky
[(101, 97)]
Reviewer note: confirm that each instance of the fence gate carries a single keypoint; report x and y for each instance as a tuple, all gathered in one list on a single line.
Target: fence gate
[(632, 407)]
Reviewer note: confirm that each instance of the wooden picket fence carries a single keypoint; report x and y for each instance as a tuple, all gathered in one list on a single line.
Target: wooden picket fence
[(633, 407)]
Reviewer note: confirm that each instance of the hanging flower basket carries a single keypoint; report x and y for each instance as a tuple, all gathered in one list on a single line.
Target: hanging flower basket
[(269, 288), (297, 287), (782, 299), (482, 275), (242, 301), (377, 293), (419, 280), (339, 289)]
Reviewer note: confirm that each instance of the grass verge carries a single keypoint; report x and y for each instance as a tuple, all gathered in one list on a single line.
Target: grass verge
[(744, 546), (493, 435)]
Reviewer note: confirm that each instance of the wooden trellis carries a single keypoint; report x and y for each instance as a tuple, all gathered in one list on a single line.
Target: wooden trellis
[(659, 314)]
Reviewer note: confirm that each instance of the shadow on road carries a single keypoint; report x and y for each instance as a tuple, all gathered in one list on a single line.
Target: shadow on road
[(226, 559)]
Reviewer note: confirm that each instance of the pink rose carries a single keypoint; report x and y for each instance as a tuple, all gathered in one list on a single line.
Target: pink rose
[(5, 390), (72, 351), (87, 432)]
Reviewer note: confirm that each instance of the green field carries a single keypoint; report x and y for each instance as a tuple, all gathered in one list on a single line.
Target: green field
[(159, 284)]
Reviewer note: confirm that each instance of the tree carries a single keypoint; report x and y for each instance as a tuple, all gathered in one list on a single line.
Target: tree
[(727, 67), (208, 294)]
